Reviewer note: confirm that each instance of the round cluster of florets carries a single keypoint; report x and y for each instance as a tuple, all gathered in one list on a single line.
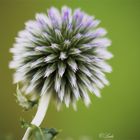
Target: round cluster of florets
[(63, 53)]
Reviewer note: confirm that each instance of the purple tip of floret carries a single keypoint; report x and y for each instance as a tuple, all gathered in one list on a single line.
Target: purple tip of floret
[(66, 13), (51, 14), (104, 42), (95, 23), (78, 15), (30, 25), (90, 35), (40, 19), (89, 22), (100, 32), (54, 16), (97, 33)]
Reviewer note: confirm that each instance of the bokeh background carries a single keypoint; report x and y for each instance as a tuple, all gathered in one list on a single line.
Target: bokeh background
[(118, 111)]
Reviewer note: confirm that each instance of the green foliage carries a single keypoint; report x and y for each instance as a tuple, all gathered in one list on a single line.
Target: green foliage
[(38, 133), (23, 100)]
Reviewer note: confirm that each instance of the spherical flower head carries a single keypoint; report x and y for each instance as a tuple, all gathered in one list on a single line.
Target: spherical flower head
[(62, 53)]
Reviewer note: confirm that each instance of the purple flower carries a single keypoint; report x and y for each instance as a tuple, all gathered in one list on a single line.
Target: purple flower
[(61, 53)]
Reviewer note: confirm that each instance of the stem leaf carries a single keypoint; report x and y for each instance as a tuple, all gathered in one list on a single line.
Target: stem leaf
[(39, 133)]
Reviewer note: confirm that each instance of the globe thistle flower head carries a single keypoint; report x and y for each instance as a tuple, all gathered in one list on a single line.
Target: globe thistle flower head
[(62, 53)]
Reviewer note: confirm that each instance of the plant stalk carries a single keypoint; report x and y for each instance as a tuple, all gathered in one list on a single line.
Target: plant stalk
[(40, 114)]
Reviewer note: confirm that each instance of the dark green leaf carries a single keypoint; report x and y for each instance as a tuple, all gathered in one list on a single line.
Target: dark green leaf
[(38, 133)]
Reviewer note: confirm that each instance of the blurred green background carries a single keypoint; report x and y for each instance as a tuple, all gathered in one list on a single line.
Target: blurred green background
[(118, 111)]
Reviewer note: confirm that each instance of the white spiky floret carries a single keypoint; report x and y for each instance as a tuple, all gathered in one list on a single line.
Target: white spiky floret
[(63, 52)]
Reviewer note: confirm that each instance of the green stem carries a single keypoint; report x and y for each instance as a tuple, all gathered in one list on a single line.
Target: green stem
[(40, 114)]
